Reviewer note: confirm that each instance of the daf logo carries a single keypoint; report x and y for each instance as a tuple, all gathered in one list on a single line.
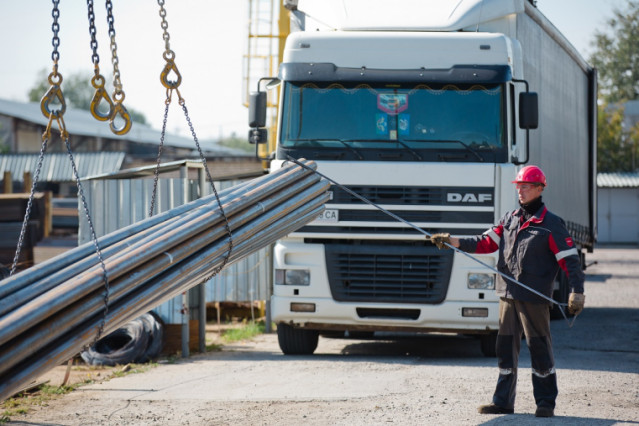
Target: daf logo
[(470, 197)]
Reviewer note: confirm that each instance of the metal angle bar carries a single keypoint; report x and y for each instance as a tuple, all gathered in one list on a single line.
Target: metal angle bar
[(81, 253), (261, 242), (37, 288), (40, 334), (90, 280), (201, 259), (75, 340), (180, 284), (44, 269), (200, 264)]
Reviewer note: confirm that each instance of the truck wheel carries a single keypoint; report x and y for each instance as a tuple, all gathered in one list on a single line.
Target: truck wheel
[(296, 341), (361, 334), (488, 344)]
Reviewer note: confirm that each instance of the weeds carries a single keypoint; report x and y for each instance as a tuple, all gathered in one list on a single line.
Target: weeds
[(214, 347), (22, 403), (248, 330)]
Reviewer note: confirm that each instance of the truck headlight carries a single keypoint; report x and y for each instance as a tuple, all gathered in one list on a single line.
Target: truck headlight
[(292, 277), (481, 281)]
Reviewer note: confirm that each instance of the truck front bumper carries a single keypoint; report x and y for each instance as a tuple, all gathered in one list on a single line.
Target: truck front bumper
[(450, 316)]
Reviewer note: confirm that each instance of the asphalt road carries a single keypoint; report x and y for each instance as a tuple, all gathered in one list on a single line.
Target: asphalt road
[(398, 379)]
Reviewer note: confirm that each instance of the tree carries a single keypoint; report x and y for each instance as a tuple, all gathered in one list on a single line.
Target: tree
[(616, 148), (4, 146), (78, 92), (616, 55), (236, 142)]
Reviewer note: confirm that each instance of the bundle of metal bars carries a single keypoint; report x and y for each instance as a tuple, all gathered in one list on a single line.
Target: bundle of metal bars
[(51, 311)]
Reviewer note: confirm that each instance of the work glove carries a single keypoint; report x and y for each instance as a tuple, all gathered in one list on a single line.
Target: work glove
[(440, 240), (576, 303)]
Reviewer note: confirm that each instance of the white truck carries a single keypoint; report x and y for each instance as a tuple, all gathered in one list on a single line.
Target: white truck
[(428, 109)]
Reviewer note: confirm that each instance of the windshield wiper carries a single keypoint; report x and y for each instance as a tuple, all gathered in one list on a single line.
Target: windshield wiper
[(408, 148), (342, 141), (468, 148)]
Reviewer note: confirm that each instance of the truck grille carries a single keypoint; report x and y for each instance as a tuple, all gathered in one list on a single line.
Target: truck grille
[(409, 195), (388, 273)]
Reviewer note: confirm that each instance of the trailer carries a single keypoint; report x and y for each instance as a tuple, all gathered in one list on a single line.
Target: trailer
[(427, 109)]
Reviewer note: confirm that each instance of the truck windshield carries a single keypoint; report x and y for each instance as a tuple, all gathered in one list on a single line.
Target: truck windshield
[(393, 122)]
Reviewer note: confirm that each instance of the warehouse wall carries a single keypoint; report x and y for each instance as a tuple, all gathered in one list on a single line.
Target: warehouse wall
[(618, 215)]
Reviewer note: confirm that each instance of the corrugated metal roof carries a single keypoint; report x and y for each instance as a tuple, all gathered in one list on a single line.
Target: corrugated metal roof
[(618, 180), (56, 167), (80, 122), (143, 171)]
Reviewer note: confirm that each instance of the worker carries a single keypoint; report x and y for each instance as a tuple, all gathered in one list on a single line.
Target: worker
[(533, 244)]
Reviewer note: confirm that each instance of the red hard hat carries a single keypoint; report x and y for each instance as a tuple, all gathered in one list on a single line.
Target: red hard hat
[(531, 174)]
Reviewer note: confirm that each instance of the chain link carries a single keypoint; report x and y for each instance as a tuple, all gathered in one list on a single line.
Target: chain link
[(98, 251), (98, 80), (36, 177), (95, 58), (227, 226), (171, 86), (117, 83), (56, 91), (55, 27), (118, 93), (168, 53), (159, 159)]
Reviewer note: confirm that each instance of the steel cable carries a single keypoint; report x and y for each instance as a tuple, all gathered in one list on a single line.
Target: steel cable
[(417, 228)]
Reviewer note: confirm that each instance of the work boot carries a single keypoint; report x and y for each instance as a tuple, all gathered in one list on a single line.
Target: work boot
[(544, 412), (494, 409)]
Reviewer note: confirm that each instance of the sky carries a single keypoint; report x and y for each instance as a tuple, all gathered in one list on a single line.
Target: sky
[(209, 38)]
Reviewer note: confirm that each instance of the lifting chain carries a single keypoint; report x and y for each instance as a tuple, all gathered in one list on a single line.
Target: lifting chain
[(98, 80), (171, 86), (118, 93), (55, 94)]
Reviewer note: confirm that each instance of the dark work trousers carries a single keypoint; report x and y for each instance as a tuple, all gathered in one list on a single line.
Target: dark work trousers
[(532, 319)]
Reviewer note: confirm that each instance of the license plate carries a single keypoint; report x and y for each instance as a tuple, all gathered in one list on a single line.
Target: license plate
[(328, 216)]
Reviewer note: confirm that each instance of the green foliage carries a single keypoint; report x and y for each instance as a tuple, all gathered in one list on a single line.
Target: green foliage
[(40, 86), (214, 347), (22, 403), (4, 146), (616, 148), (237, 142), (78, 92), (136, 116), (616, 55), (247, 331)]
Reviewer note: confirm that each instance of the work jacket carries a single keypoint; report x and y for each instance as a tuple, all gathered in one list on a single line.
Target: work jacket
[(531, 251)]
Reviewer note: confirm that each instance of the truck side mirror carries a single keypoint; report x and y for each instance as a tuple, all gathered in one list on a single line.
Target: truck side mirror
[(528, 110), (257, 109), (258, 136)]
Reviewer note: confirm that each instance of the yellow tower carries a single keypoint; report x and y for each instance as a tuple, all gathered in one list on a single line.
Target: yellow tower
[(268, 27)]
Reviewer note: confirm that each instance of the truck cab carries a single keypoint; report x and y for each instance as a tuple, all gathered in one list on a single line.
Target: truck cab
[(428, 121)]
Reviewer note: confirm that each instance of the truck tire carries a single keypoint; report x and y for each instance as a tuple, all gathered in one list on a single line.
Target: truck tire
[(296, 341), (488, 344), (362, 335)]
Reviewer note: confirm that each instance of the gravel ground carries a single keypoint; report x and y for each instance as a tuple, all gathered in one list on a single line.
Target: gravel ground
[(399, 379)]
